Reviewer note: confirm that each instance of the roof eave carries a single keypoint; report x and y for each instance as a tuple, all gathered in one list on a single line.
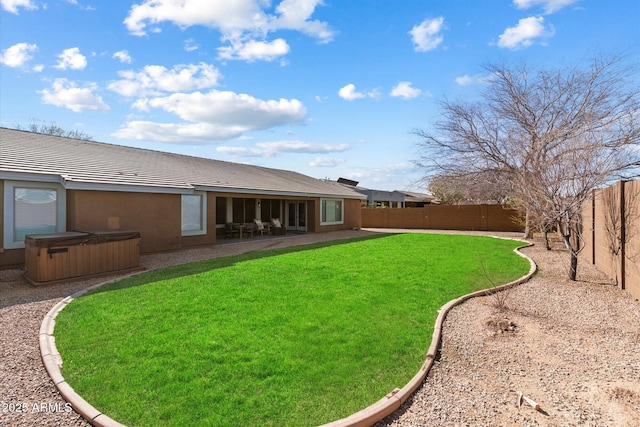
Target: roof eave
[(70, 184), (276, 192)]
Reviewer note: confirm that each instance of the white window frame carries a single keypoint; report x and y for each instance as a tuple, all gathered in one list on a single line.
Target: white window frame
[(203, 214), (9, 209), (322, 205)]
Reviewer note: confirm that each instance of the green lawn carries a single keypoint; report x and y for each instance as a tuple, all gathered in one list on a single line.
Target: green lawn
[(296, 336)]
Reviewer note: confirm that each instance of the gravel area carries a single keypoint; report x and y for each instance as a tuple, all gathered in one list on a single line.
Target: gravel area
[(573, 347)]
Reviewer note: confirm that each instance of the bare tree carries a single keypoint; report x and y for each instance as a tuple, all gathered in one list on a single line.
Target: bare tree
[(53, 129), (486, 187), (554, 134)]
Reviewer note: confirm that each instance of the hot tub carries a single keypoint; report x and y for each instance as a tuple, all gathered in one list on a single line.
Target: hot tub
[(58, 256)]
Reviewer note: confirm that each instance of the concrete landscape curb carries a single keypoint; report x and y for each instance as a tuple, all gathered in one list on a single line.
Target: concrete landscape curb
[(52, 360), (392, 401)]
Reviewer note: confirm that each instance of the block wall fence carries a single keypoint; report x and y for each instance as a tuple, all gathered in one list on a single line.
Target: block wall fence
[(611, 227), (445, 217), (611, 230)]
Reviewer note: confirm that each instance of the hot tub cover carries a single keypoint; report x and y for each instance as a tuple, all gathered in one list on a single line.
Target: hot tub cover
[(72, 238)]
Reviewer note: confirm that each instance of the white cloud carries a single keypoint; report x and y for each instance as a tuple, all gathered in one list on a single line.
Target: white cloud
[(216, 115), (549, 6), (384, 174), (296, 15), (154, 80), (75, 3), (349, 93), (228, 17), (374, 94), (524, 34), (123, 56), (174, 133), (325, 162), (269, 149), (404, 90), (245, 151), (243, 23), (254, 50), (17, 55), (467, 80), (66, 94), (228, 107), (190, 45), (71, 59), (427, 36), (302, 147), (13, 5)]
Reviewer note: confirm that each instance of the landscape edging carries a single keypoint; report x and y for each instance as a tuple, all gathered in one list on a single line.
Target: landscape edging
[(392, 401), (52, 361), (366, 417)]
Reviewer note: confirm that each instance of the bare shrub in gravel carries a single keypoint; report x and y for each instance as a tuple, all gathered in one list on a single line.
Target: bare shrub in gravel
[(499, 297)]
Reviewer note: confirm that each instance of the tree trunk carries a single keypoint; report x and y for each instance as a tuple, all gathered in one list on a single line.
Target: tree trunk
[(546, 239), (573, 266), (527, 226), (573, 269)]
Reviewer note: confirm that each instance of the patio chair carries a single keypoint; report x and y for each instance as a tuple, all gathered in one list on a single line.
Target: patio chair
[(260, 227), (231, 231), (277, 227), (249, 227)]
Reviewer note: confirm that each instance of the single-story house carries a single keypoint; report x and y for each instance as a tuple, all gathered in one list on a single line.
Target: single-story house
[(417, 200), (55, 184), (389, 199)]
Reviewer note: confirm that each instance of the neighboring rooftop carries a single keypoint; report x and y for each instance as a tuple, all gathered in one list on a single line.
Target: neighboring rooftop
[(384, 195), (81, 164), (417, 197)]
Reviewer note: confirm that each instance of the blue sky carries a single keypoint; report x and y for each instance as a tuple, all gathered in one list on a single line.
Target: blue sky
[(330, 88)]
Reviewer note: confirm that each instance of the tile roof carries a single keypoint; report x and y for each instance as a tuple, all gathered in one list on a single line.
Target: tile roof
[(79, 164), (422, 197), (394, 195)]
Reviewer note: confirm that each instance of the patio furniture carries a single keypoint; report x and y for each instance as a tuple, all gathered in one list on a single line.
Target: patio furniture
[(261, 227), (277, 228), (248, 227), (231, 230)]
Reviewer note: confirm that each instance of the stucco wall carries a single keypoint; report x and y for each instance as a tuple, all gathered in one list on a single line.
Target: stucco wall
[(352, 217), (156, 216)]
